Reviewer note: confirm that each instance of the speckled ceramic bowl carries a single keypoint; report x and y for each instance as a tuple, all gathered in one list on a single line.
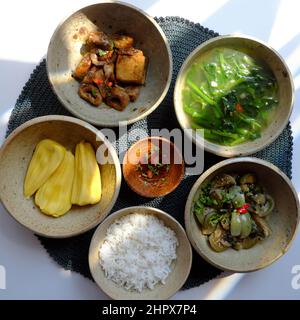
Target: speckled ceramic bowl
[(175, 280), (110, 17), (273, 60), (15, 155), (283, 221)]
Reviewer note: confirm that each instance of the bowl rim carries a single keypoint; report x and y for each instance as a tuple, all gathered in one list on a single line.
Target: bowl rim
[(136, 190), (223, 164), (89, 127), (138, 117), (150, 210), (178, 107)]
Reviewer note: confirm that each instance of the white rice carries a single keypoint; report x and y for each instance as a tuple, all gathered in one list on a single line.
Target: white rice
[(138, 251)]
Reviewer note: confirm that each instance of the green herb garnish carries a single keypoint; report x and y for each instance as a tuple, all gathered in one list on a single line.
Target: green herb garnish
[(94, 92), (153, 169), (102, 53)]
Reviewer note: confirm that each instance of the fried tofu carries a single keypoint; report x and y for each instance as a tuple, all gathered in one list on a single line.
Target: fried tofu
[(131, 68), (122, 41)]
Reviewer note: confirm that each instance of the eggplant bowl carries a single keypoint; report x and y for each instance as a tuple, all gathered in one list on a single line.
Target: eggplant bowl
[(222, 234)]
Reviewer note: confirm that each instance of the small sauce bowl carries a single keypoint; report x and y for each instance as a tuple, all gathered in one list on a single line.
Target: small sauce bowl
[(153, 167)]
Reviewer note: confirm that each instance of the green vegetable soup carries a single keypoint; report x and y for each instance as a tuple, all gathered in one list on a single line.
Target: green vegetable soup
[(230, 95)]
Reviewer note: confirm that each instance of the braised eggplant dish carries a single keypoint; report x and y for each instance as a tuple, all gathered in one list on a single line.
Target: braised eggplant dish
[(232, 211), (111, 70)]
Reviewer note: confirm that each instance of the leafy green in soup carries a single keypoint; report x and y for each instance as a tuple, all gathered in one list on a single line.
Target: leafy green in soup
[(229, 95)]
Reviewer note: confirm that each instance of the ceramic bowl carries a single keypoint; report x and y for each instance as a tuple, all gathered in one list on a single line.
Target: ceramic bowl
[(283, 221), (64, 53), (263, 52), (154, 187), (175, 280), (15, 155)]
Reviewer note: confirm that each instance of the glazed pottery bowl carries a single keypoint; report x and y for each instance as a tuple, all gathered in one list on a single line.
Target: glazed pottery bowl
[(64, 54), (175, 280), (283, 221), (268, 56), (15, 156)]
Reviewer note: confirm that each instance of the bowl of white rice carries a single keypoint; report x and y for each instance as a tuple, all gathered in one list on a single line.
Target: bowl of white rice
[(140, 253)]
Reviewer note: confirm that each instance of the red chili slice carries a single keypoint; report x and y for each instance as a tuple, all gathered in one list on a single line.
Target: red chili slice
[(239, 107), (243, 209), (98, 81)]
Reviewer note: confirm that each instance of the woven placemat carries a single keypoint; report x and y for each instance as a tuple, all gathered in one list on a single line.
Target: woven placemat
[(37, 99)]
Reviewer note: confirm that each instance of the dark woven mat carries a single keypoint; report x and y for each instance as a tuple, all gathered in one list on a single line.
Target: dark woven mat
[(37, 99)]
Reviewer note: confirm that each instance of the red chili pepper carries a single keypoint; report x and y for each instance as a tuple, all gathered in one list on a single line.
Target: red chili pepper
[(98, 81), (243, 209), (239, 107), (149, 174)]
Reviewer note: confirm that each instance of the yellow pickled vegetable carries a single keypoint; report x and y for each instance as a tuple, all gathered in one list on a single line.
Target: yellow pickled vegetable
[(46, 158), (54, 197), (87, 180)]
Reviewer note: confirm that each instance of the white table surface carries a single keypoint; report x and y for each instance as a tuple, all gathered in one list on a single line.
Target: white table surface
[(25, 30)]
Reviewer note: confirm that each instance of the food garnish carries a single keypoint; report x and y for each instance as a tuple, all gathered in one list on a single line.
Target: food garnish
[(151, 168)]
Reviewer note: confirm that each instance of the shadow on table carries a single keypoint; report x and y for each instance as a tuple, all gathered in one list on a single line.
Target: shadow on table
[(14, 75)]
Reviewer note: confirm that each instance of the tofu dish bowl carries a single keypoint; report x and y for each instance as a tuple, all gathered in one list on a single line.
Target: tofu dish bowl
[(111, 70)]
